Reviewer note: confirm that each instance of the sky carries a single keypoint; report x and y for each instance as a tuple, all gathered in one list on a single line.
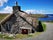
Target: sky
[(29, 6)]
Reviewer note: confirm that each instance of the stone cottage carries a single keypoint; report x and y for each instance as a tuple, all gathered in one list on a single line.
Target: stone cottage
[(18, 22)]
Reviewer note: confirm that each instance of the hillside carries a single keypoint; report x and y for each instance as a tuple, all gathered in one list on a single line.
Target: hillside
[(38, 15), (2, 16)]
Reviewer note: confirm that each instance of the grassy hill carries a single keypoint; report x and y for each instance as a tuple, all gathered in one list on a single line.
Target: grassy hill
[(2, 16), (37, 15)]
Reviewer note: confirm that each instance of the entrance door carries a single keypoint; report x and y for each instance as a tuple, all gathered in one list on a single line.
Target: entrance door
[(24, 31)]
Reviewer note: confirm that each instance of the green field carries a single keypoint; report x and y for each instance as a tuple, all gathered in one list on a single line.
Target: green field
[(2, 16)]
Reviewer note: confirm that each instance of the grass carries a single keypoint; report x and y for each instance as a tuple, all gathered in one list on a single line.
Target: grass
[(37, 33), (2, 16), (37, 15), (51, 22), (44, 26), (19, 36), (5, 36), (1, 35)]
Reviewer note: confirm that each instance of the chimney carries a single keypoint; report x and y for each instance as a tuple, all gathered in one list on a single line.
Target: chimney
[(16, 8)]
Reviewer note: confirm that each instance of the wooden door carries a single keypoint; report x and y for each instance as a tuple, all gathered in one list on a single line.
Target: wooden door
[(24, 31)]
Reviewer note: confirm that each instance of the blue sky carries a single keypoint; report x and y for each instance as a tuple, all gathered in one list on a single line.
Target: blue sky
[(36, 6)]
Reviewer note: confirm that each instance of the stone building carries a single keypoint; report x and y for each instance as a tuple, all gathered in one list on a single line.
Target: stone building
[(18, 22)]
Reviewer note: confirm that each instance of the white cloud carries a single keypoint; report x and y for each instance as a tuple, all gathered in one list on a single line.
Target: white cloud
[(7, 9), (35, 11), (2, 2), (39, 11)]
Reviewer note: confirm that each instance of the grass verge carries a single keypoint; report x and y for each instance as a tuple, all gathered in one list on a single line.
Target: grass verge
[(44, 26)]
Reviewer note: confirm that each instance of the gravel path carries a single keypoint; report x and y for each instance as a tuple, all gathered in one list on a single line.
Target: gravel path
[(47, 35)]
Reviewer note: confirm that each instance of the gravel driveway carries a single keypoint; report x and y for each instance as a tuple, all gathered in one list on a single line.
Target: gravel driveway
[(47, 35)]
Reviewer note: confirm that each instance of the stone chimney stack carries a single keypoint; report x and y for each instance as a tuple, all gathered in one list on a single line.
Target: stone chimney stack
[(16, 8)]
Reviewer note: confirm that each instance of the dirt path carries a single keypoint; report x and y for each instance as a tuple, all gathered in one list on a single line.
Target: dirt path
[(47, 35)]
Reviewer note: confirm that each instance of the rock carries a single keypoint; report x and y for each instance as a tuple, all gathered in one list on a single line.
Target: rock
[(0, 32), (11, 35)]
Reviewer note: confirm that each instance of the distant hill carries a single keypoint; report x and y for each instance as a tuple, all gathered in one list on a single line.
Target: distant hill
[(49, 15), (38, 15)]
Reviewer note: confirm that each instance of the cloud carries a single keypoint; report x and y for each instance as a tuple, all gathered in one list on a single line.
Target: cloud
[(35, 11), (39, 11), (2, 2), (7, 9)]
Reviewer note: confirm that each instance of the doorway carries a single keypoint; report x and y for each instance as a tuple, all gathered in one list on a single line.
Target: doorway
[(24, 31)]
